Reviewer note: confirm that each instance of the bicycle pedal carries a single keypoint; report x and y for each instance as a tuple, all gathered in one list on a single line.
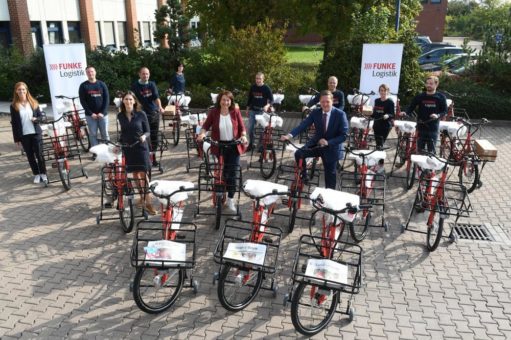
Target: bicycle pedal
[(267, 239), (181, 237)]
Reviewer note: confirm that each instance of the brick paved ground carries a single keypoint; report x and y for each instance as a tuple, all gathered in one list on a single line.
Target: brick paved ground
[(63, 276)]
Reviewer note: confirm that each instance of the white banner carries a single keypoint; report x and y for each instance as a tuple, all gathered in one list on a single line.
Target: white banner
[(65, 66), (381, 64)]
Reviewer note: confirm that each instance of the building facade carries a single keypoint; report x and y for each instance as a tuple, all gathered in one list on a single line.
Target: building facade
[(115, 24), (431, 20)]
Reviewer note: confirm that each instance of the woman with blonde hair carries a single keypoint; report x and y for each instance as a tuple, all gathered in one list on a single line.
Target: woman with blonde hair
[(25, 118)]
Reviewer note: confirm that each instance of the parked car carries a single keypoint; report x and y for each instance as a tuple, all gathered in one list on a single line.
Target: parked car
[(436, 55), (422, 39), (457, 64), (429, 47)]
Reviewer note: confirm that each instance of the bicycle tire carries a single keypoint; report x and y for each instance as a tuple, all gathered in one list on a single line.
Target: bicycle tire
[(304, 295), (177, 130), (401, 151), (218, 209), (469, 175), (312, 170), (358, 232), (84, 138), (64, 173), (411, 170), (267, 162), (143, 284), (126, 213), (445, 146), (434, 234), (244, 289), (292, 215)]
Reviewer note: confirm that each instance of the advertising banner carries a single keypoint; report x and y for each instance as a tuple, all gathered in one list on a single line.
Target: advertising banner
[(381, 64), (65, 66)]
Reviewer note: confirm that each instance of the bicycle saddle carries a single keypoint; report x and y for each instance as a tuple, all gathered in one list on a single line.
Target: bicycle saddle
[(181, 100), (371, 159), (334, 199), (305, 98), (213, 97), (405, 126), (278, 98), (449, 102), (427, 162), (264, 119), (166, 188), (260, 188), (452, 128), (105, 153), (360, 123), (60, 126)]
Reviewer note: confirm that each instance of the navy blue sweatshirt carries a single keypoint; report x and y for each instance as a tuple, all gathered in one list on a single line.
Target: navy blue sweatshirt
[(259, 96), (382, 108), (94, 97), (427, 105), (177, 83), (338, 100), (146, 95)]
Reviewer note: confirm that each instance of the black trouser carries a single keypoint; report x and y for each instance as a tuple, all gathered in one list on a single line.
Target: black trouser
[(231, 166), (329, 165), (428, 140), (33, 147), (381, 132), (154, 128)]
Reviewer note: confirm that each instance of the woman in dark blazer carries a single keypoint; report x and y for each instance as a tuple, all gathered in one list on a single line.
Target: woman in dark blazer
[(25, 119), (226, 125)]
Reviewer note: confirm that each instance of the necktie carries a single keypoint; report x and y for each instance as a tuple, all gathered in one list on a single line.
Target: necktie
[(325, 116)]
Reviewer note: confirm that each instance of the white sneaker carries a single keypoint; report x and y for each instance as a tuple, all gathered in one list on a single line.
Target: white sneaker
[(230, 204), (44, 178), (37, 179)]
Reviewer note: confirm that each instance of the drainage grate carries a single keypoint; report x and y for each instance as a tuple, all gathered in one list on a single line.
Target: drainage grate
[(477, 232)]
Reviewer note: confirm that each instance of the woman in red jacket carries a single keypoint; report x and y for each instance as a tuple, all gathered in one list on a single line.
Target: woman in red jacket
[(226, 125), (25, 119)]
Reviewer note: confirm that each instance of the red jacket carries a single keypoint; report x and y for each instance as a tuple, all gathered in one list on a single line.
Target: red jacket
[(213, 122)]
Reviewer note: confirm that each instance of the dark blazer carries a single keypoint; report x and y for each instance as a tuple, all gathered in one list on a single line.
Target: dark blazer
[(336, 133), (17, 128), (213, 122)]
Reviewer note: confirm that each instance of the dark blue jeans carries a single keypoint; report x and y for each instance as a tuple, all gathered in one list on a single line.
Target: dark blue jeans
[(329, 165)]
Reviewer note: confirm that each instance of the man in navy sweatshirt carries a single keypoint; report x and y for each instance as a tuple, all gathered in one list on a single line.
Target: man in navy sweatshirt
[(332, 87), (147, 94), (94, 99), (260, 98)]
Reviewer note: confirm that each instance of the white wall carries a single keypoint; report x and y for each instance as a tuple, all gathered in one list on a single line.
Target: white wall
[(53, 10), (109, 10), (146, 9), (4, 11)]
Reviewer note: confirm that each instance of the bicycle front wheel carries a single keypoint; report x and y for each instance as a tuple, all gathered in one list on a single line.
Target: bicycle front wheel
[(292, 215), (65, 178), (84, 138), (312, 308), (218, 200), (469, 175), (411, 170), (359, 227), (156, 290), (126, 213), (267, 162), (237, 287), (176, 132), (435, 229)]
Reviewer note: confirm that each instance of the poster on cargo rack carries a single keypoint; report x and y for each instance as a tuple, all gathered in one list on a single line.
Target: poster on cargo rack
[(381, 64), (65, 66)]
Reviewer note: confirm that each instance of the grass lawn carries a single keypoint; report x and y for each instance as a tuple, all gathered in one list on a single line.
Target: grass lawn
[(304, 54)]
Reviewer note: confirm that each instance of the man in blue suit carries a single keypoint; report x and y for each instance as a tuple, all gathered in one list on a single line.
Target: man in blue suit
[(331, 127)]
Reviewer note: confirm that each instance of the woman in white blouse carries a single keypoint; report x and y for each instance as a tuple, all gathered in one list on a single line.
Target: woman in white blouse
[(25, 119)]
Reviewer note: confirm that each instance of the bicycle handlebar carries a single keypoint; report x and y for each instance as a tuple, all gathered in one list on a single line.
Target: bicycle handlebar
[(222, 144), (363, 154), (303, 147), (442, 160), (119, 145), (319, 201), (66, 97), (468, 123), (357, 92), (273, 192), (312, 90), (153, 186)]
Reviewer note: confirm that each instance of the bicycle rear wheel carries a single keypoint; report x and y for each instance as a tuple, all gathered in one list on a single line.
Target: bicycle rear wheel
[(360, 226), (267, 162), (126, 213), (469, 175), (84, 139), (292, 215), (218, 200), (312, 308), (176, 132), (411, 170), (435, 229), (156, 290), (238, 287), (64, 170)]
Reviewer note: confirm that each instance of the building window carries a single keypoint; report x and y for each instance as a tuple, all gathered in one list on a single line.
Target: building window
[(5, 34), (145, 33), (121, 28), (37, 38), (436, 1), (98, 34), (55, 33), (108, 33), (73, 28)]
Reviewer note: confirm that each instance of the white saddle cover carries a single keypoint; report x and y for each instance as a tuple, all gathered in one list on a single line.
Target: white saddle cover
[(165, 188), (278, 98), (371, 159), (213, 97), (360, 123), (260, 188), (264, 119), (192, 119), (105, 153), (452, 129), (337, 200), (305, 98), (180, 100), (60, 127), (427, 162), (405, 126), (117, 102), (449, 102)]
